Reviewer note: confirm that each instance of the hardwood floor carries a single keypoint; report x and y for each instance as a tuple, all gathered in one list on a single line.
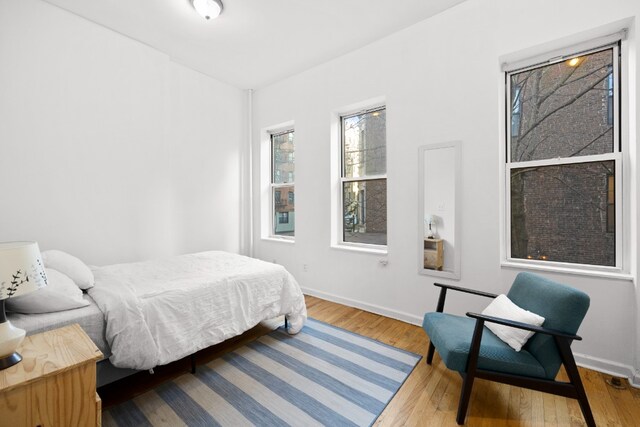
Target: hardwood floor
[(429, 397)]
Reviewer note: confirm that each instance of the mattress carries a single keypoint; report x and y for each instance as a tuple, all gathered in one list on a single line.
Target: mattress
[(90, 318), (160, 311)]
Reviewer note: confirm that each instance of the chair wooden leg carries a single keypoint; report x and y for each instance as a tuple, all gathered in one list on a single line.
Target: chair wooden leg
[(584, 406), (439, 309), (465, 395), (470, 374), (576, 381), (432, 350)]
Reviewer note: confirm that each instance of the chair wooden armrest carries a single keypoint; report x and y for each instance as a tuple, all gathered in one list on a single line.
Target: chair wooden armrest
[(465, 290), (525, 326), (443, 294)]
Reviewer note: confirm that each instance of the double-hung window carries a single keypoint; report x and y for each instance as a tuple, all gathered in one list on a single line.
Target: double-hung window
[(364, 177), (282, 184), (564, 161)]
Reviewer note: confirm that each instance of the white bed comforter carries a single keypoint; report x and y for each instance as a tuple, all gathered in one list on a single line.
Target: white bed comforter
[(160, 311)]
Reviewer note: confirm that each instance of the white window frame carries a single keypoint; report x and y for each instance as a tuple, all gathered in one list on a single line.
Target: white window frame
[(267, 211), (275, 186), (619, 156), (340, 229)]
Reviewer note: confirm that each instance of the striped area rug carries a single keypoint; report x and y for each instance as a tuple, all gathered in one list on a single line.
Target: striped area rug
[(322, 376)]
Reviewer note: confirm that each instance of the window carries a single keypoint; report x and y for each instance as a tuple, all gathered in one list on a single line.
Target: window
[(563, 160), (283, 217), (364, 177), (282, 182)]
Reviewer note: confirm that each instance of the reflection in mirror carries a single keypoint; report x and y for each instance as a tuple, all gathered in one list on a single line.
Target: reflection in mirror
[(440, 210)]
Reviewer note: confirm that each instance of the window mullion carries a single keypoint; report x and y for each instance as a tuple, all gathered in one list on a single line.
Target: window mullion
[(364, 178), (283, 184), (618, 191), (562, 161), (508, 116)]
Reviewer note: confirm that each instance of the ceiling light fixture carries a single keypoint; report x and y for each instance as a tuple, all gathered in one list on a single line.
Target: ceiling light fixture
[(208, 9)]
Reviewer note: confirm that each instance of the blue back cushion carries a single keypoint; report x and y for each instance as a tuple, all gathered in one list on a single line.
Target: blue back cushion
[(562, 307)]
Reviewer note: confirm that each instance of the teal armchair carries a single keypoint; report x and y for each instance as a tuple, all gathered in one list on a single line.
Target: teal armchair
[(465, 345)]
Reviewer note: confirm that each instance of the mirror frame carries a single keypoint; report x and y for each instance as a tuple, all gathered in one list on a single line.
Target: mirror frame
[(422, 152)]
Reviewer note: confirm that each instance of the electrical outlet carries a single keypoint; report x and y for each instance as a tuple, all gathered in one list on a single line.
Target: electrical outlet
[(305, 267)]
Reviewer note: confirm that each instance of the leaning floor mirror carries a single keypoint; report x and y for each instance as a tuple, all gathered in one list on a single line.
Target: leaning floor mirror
[(439, 204)]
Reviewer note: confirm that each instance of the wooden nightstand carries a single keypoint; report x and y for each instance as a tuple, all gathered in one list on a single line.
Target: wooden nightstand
[(55, 384), (433, 254)]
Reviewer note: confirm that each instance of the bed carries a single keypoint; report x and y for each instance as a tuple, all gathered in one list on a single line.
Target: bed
[(151, 313), (91, 320)]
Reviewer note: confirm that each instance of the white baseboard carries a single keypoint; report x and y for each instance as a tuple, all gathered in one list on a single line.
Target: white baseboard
[(608, 367), (601, 365), (635, 380), (383, 311)]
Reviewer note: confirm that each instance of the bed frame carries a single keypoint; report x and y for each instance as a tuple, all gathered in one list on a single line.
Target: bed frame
[(106, 373)]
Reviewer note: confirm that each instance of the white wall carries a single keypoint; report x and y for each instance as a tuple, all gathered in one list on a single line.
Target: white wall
[(108, 149), (442, 82)]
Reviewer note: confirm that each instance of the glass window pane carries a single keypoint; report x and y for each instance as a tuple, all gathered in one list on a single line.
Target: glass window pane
[(283, 150), (284, 211), (364, 144), (515, 109), (563, 109), (561, 213), (365, 211)]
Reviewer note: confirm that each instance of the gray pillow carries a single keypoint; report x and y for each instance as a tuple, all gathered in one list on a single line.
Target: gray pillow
[(60, 294), (71, 266)]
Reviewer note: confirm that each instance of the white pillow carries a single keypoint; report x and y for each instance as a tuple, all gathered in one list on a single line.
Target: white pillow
[(70, 266), (59, 294), (503, 307)]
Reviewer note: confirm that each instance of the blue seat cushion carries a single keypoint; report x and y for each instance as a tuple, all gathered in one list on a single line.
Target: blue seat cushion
[(451, 335)]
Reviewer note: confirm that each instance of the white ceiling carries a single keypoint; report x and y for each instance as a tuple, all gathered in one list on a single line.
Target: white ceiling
[(256, 42)]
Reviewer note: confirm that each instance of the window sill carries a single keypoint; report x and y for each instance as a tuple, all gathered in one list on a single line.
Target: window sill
[(361, 249), (614, 275), (289, 240)]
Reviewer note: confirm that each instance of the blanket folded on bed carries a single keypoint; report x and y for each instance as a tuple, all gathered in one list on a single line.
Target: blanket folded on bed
[(163, 310)]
